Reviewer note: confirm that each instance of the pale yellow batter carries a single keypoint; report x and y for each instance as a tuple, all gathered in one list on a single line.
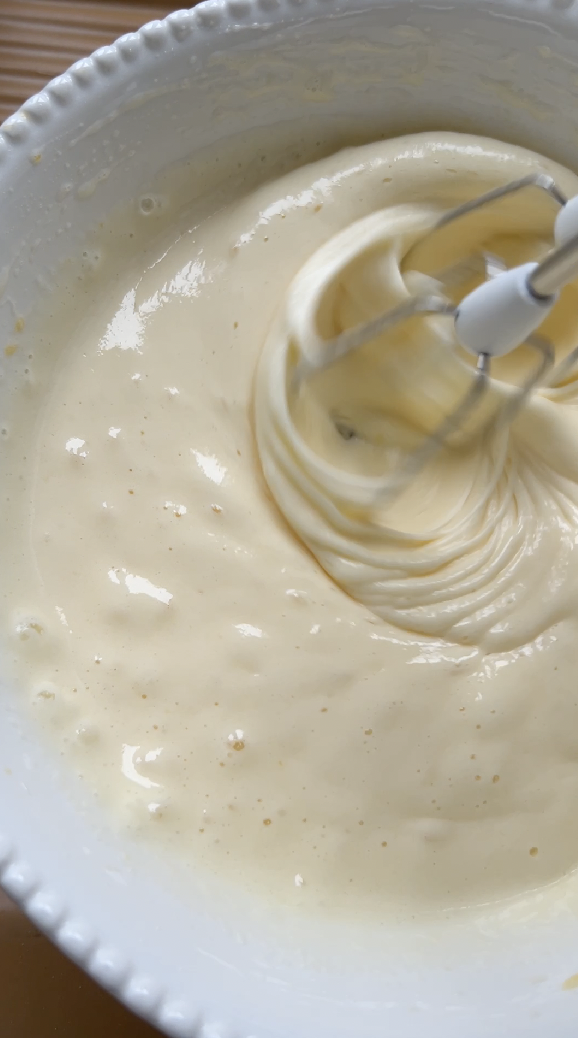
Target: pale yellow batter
[(410, 743), (451, 548)]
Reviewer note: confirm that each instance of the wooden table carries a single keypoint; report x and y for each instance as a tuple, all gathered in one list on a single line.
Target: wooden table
[(43, 995), (39, 39)]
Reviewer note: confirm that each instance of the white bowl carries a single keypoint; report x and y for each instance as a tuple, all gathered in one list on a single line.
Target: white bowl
[(191, 960)]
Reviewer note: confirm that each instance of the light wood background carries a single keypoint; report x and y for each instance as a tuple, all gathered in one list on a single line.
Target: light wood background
[(39, 39)]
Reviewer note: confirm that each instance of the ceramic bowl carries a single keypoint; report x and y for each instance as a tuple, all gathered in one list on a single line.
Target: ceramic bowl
[(191, 960)]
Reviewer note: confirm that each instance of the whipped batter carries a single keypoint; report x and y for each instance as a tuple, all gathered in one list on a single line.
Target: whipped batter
[(455, 550), (279, 679)]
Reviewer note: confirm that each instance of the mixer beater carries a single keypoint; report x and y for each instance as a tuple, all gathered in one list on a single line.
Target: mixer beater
[(497, 317)]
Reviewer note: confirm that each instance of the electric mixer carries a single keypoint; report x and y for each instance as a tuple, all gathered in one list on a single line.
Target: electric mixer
[(499, 315)]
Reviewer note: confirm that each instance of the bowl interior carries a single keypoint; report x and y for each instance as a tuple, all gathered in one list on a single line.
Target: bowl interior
[(103, 134)]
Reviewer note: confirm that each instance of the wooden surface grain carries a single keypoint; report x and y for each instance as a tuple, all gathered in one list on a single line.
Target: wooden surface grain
[(44, 995), (39, 39)]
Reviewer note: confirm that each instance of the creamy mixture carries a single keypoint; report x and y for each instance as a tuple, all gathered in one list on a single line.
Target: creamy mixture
[(235, 640)]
